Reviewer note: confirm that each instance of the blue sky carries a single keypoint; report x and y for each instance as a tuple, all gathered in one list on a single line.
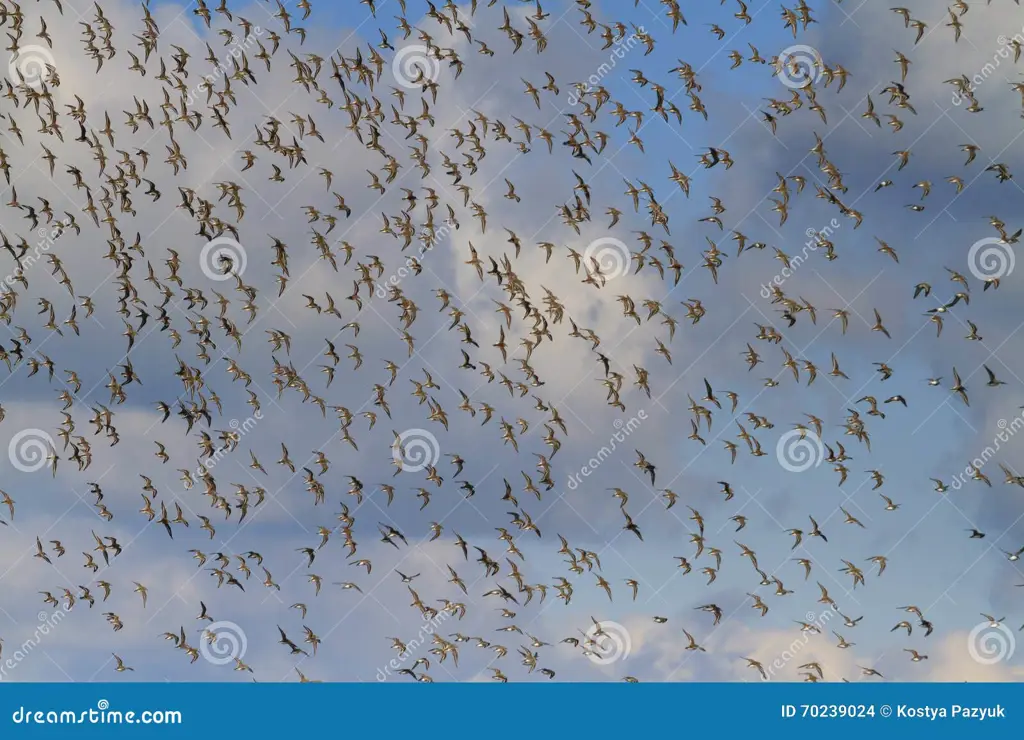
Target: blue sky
[(931, 561)]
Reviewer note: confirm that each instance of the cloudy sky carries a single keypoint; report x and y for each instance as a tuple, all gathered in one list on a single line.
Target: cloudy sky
[(608, 78)]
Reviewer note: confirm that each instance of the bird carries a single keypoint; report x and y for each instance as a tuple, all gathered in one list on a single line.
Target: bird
[(751, 663)]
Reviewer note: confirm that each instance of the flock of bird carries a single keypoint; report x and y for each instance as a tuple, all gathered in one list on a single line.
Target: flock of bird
[(100, 163)]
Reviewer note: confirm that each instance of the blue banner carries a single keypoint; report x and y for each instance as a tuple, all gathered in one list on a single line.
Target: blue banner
[(508, 710)]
